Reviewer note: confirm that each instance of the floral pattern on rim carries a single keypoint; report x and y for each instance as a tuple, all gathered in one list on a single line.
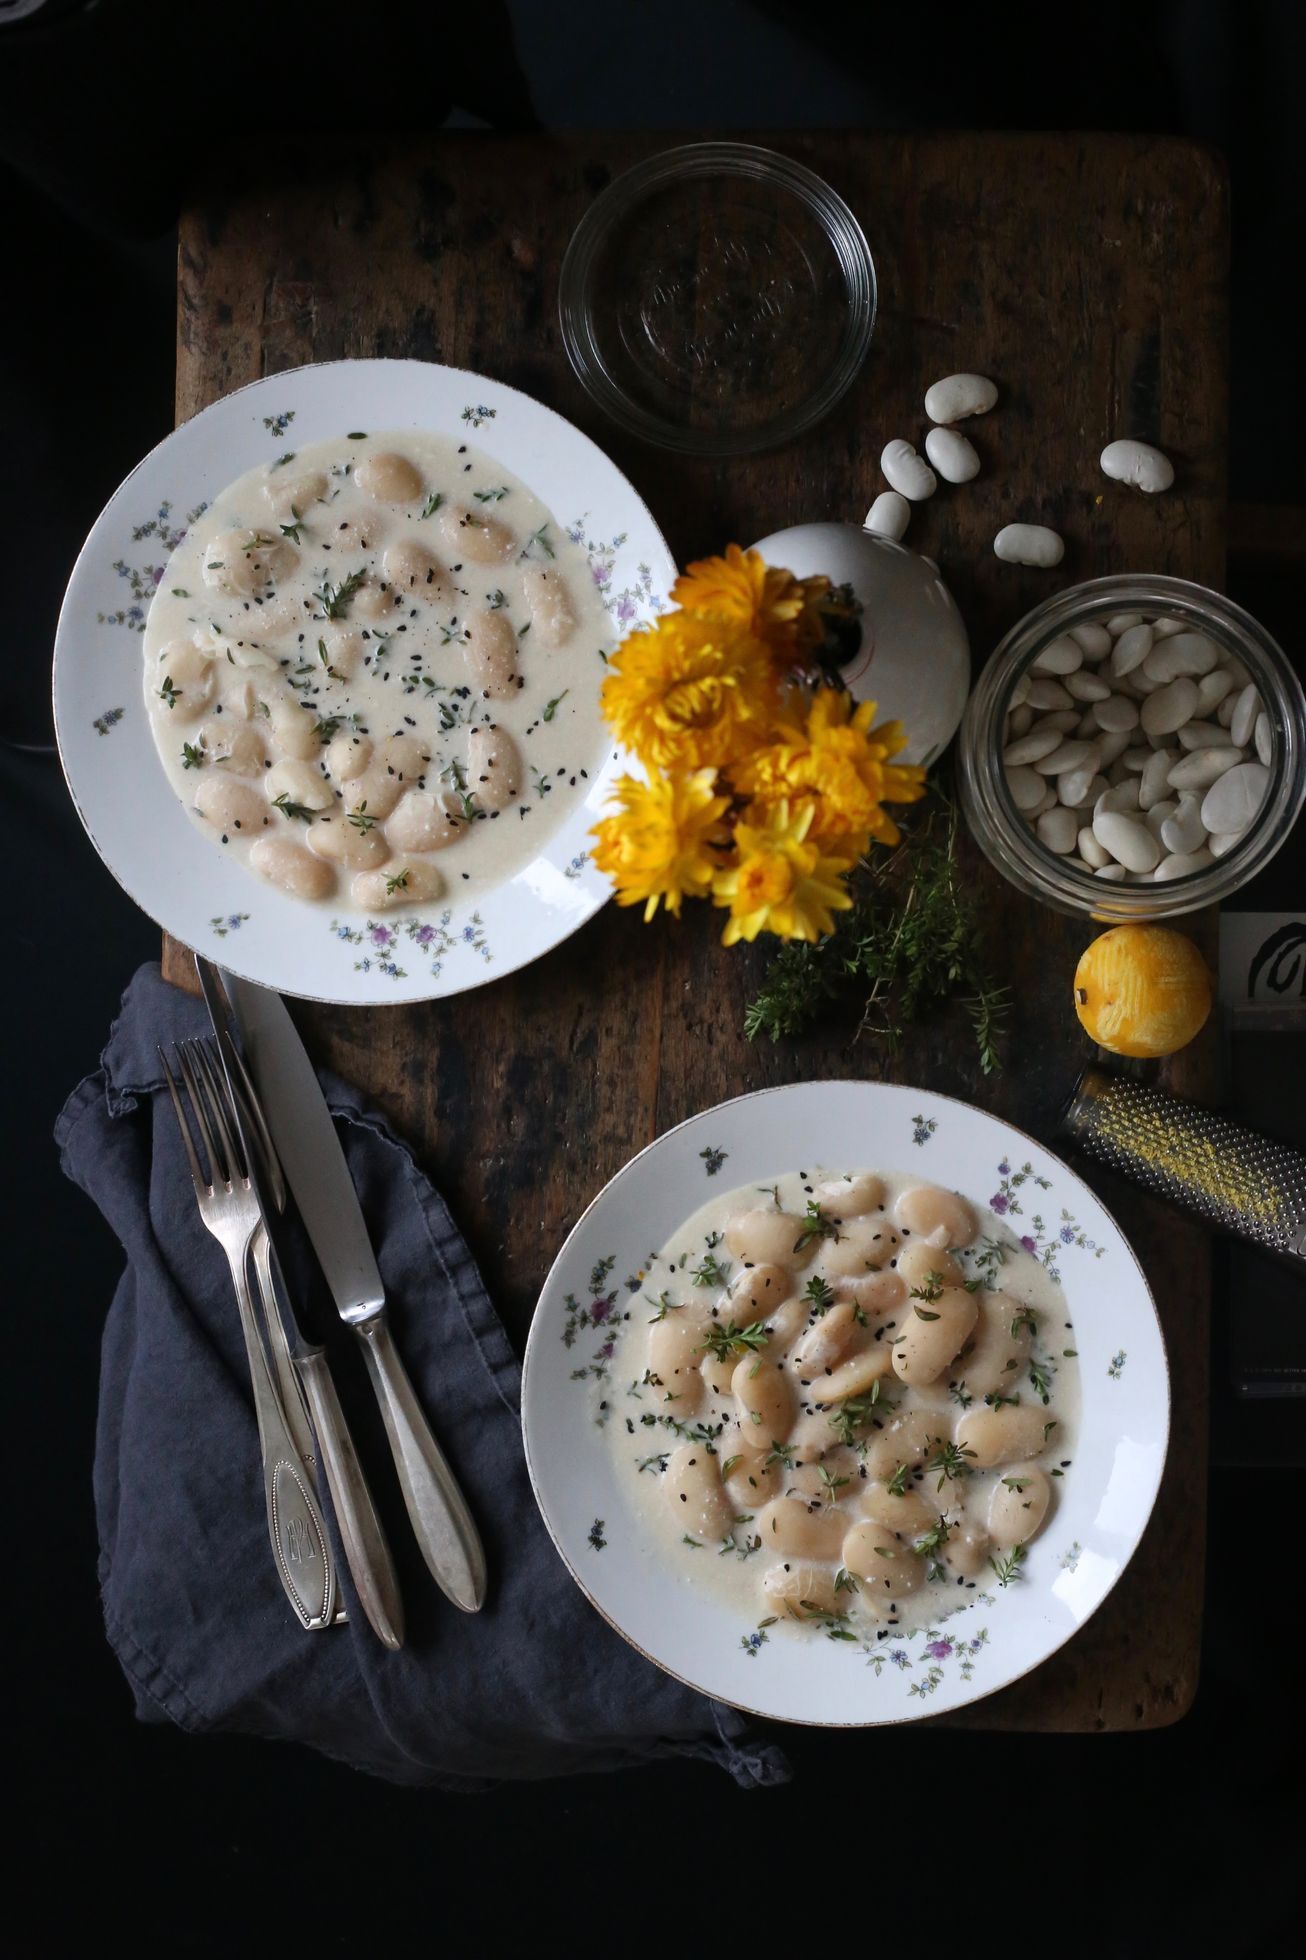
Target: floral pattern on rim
[(577, 865), (437, 938), (231, 923), (144, 580), (713, 1160), (595, 1534), (1041, 1243), (923, 1128), (1070, 1558), (480, 413), (636, 600), (276, 425), (1116, 1366), (109, 719), (751, 1642), (597, 1311)]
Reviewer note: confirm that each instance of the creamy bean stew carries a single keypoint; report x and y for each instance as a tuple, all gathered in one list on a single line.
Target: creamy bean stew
[(849, 1399), (372, 671)]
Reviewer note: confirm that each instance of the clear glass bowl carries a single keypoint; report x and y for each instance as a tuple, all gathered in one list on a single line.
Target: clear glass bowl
[(717, 299), (1009, 841)]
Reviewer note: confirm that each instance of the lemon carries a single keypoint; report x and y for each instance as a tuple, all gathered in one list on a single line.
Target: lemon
[(1142, 990)]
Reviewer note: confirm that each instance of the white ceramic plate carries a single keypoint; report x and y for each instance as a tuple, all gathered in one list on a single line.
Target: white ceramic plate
[(1103, 1501), (136, 823)]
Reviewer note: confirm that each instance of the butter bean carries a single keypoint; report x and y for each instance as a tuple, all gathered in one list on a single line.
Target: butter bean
[(1137, 464), (952, 455), (232, 806), (939, 1216), (1220, 846), (1243, 721), (1232, 801), (1123, 623), (674, 1356), (1091, 851), (1181, 866), (933, 1333), (794, 1529), (286, 863), (995, 1356), (1094, 639), (1046, 693), (1264, 738), (1011, 1434), (908, 1439), (801, 1591), (919, 1259), (885, 1566), (849, 1197), (692, 1482), (1029, 544), (877, 1294), (1129, 842), (1203, 767), (765, 1397), (907, 1513), (1169, 707), (1057, 830), (1117, 714), (906, 472), (1185, 832), (1212, 688), (1018, 1506), (1026, 787), (889, 516), (852, 1377), (864, 1245), (1120, 796), (1183, 653), (1086, 687), (1061, 656), (958, 396), (757, 1291), (1131, 649), (825, 1343), (1066, 756), (1029, 748), (1200, 735), (1154, 779), (766, 1236)]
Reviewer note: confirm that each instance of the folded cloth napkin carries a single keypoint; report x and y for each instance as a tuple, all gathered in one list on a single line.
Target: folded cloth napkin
[(535, 1685)]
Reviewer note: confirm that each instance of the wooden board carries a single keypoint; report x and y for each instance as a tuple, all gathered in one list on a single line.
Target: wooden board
[(1088, 277)]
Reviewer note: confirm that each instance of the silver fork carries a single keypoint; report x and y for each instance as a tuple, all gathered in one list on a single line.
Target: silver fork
[(229, 1208)]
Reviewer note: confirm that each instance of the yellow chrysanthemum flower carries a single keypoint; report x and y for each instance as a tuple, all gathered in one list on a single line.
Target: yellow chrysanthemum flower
[(839, 767), (690, 693), (766, 601), (781, 882), (659, 846)]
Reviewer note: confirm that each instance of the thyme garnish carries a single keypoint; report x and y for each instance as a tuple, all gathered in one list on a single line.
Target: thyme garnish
[(950, 1462), (1008, 1568), (929, 1289), (169, 693), (912, 940), (551, 707), (709, 1271), (432, 504), (733, 1339), (815, 1226), (399, 883), (360, 819), (193, 754), (333, 599), (299, 811)]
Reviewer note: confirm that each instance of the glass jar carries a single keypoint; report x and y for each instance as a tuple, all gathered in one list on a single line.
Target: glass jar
[(1009, 840)]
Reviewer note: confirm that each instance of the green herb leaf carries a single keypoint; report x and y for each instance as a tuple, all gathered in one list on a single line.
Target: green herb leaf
[(551, 707), (299, 811)]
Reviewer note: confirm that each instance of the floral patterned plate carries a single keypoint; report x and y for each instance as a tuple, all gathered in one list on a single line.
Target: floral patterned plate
[(572, 1393), (134, 820)]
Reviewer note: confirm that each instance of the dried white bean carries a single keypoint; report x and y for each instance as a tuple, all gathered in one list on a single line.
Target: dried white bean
[(1046, 802), (889, 515), (1163, 628), (1122, 623), (1073, 787), (1044, 693), (1117, 714), (906, 472), (1038, 742), (1094, 639), (1119, 796), (1264, 736), (1185, 832), (1224, 713), (1113, 744), (1220, 846), (952, 456), (1086, 687), (1066, 756), (1135, 760), (1200, 735), (1160, 814), (1212, 688), (1111, 871), (1020, 720), (959, 395), (1058, 829), (1020, 690), (1029, 544), (1181, 865), (1203, 767), (1137, 464), (1091, 851), (1087, 726), (1169, 707), (1131, 649), (1129, 842), (1243, 721), (1061, 656), (1186, 653), (1232, 802), (1062, 719), (1154, 779)]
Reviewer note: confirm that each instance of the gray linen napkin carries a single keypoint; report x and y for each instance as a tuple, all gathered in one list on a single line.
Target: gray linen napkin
[(536, 1685)]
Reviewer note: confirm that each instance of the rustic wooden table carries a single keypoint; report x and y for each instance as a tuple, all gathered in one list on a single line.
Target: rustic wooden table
[(1087, 275)]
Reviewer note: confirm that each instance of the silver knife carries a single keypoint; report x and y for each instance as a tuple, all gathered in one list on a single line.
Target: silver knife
[(314, 1167)]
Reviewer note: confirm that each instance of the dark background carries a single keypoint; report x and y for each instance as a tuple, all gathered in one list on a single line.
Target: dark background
[(1130, 1843)]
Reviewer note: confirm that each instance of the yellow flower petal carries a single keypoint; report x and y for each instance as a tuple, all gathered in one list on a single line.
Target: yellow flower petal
[(690, 693), (780, 882), (664, 842)]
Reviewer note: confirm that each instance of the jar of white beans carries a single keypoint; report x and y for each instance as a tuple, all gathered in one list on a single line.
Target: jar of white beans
[(1090, 799)]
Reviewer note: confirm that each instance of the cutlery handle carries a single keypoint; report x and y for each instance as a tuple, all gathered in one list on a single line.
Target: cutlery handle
[(289, 1386), (441, 1521), (360, 1528), (295, 1524)]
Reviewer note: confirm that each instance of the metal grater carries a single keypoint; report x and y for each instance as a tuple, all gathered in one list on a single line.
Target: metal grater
[(1228, 1176)]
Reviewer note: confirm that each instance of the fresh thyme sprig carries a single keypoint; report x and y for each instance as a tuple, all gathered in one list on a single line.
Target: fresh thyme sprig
[(709, 1271), (1008, 1568), (334, 599), (819, 1293), (732, 1339), (815, 1226), (911, 941), (299, 811), (950, 1462)]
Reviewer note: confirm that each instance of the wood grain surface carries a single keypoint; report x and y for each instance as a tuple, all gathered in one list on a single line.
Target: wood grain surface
[(1087, 275)]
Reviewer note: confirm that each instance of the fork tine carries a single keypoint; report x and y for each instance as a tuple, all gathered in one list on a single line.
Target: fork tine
[(221, 1100), (199, 1103), (198, 1177), (252, 1110)]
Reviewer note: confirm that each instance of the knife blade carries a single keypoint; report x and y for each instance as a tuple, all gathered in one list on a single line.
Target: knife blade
[(314, 1167), (366, 1549)]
